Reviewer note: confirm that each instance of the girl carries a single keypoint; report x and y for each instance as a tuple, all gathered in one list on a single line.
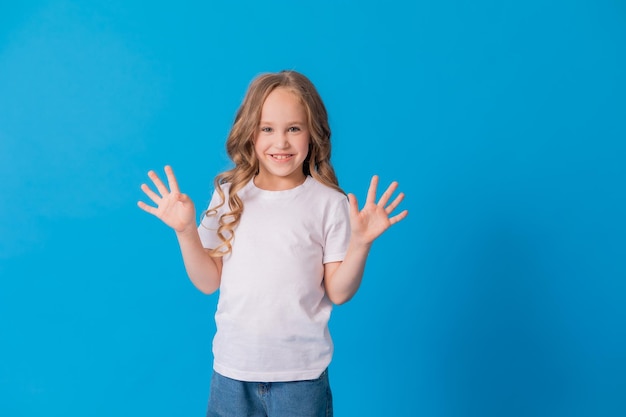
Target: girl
[(282, 244)]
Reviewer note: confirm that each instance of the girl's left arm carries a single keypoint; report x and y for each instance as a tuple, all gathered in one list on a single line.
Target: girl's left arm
[(342, 279)]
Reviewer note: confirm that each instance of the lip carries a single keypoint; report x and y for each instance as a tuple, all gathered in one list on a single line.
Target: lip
[(280, 157)]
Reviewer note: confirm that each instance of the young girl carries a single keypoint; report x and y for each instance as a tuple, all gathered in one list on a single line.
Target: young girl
[(282, 243)]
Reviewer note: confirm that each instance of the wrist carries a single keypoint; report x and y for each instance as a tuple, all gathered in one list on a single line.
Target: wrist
[(186, 232), (360, 245)]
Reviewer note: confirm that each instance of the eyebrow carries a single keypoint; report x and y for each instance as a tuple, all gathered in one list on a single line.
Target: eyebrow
[(301, 122)]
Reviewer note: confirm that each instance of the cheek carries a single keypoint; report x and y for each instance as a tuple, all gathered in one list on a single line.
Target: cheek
[(306, 144), (307, 148), (257, 145)]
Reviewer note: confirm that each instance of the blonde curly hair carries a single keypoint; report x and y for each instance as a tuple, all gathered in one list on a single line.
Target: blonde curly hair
[(240, 147)]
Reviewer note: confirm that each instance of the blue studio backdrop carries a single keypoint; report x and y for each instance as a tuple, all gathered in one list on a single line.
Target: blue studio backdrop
[(502, 294)]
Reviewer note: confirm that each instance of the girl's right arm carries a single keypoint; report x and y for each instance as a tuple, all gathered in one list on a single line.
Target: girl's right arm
[(177, 211)]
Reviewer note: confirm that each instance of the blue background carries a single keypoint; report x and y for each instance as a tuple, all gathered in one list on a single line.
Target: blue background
[(502, 294)]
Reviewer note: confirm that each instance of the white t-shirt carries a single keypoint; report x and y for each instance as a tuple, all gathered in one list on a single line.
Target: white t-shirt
[(272, 314)]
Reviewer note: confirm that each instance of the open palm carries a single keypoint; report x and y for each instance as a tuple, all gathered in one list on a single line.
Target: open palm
[(172, 207), (375, 217)]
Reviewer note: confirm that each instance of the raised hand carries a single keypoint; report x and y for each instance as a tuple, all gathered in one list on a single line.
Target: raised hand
[(374, 218), (173, 208)]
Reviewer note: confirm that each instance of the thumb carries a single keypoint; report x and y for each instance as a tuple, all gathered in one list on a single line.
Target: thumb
[(354, 205), (184, 198)]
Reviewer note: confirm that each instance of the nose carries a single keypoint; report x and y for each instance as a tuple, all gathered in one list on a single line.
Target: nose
[(282, 141)]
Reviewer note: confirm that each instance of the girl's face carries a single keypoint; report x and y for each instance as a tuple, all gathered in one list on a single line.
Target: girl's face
[(281, 141)]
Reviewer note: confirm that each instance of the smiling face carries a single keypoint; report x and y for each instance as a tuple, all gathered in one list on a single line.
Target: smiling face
[(281, 141)]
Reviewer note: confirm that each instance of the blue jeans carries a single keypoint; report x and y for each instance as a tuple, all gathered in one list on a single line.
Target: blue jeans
[(232, 398)]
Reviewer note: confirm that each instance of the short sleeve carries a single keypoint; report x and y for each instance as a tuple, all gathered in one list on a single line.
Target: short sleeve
[(337, 234), (210, 223)]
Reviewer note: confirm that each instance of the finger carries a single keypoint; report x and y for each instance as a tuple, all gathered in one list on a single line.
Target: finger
[(371, 192), (147, 208), (395, 219), (171, 179), (387, 194), (391, 207), (156, 199), (354, 205), (158, 183)]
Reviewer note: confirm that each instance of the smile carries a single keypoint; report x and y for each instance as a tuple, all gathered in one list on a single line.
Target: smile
[(281, 157)]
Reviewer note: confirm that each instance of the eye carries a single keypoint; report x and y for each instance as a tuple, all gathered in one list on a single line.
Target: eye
[(294, 129), (266, 129)]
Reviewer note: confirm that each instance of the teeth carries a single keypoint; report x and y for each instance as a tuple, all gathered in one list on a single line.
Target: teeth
[(280, 156)]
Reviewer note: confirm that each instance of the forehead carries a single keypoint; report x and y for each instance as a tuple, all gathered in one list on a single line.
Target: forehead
[(283, 104)]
